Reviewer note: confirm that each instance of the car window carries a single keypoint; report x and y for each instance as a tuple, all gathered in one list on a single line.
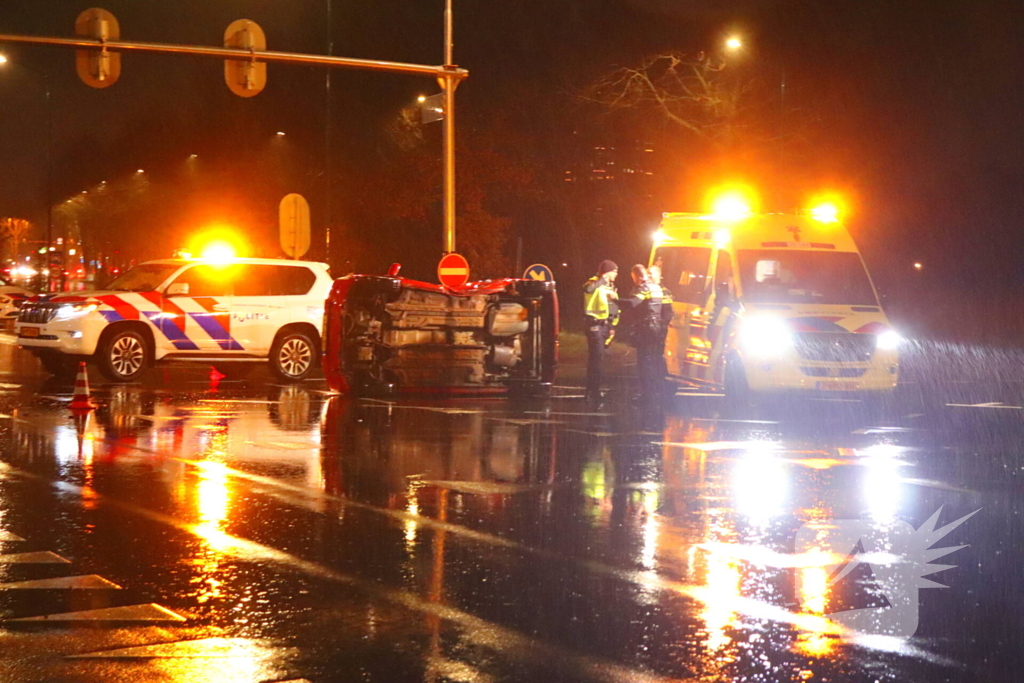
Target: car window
[(684, 271), (268, 280), (295, 280), (143, 278), (209, 280)]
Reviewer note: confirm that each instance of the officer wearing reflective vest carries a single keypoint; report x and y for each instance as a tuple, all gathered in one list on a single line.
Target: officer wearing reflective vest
[(601, 308), (647, 321)]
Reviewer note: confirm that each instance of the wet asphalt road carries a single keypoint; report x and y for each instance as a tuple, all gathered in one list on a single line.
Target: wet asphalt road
[(195, 530)]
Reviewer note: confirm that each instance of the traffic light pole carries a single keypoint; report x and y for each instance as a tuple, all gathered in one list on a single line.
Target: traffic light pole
[(448, 75), (448, 84)]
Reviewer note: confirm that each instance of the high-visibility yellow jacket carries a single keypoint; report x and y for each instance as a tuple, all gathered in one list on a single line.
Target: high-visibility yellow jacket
[(600, 300)]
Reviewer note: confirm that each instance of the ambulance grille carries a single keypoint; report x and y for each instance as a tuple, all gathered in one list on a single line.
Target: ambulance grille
[(37, 313), (834, 347)]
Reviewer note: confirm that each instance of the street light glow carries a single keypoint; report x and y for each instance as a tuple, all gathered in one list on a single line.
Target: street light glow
[(280, 133), (421, 99), (3, 59), (734, 43), (140, 171)]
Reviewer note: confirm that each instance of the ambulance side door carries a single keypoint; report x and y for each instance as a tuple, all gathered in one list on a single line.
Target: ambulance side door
[(685, 273), (721, 309)]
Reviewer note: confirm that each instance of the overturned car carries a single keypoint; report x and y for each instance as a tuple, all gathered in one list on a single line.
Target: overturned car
[(390, 334)]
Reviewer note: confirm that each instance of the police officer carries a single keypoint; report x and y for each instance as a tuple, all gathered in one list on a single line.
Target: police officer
[(646, 311), (601, 306)]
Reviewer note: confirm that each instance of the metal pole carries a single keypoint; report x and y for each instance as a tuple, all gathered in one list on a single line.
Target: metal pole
[(49, 189), (327, 142), (448, 83), (239, 54)]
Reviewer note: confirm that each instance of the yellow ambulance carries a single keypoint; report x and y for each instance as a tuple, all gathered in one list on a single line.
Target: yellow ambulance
[(772, 303)]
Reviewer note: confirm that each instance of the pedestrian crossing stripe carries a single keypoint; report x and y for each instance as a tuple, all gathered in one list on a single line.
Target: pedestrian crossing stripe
[(147, 612), (43, 557), (204, 648), (8, 536), (86, 581)]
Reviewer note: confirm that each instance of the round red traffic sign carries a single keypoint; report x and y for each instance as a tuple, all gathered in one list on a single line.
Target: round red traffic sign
[(453, 270)]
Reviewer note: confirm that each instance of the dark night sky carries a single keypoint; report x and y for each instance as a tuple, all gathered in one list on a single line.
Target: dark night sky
[(922, 100)]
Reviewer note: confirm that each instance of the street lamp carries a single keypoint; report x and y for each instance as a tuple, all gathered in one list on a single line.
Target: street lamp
[(49, 162), (733, 43)]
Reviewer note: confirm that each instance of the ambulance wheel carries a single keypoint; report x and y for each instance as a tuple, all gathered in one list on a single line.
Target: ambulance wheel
[(57, 364), (293, 356), (123, 355)]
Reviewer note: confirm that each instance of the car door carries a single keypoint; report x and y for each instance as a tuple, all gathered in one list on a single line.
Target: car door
[(202, 296), (260, 306)]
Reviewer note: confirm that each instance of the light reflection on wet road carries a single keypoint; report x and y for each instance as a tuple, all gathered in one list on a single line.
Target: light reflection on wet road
[(301, 536)]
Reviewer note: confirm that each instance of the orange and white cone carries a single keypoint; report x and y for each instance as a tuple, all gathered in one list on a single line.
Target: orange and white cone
[(82, 401)]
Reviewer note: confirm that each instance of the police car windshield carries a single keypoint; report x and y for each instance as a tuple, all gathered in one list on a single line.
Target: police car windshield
[(144, 278), (781, 276)]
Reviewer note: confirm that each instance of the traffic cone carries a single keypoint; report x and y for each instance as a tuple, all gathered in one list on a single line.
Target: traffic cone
[(82, 401)]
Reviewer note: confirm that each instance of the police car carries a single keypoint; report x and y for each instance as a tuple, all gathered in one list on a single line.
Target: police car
[(11, 299), (230, 314)]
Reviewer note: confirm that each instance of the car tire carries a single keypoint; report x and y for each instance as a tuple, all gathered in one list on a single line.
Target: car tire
[(57, 364), (235, 370), (124, 356), (293, 356)]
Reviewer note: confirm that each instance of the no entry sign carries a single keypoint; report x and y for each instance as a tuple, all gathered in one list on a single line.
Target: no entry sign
[(453, 270)]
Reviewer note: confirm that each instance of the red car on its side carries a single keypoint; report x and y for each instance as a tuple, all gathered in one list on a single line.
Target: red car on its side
[(390, 334)]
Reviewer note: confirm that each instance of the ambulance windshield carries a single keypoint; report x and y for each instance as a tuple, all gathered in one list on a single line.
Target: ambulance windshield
[(143, 278), (782, 276)]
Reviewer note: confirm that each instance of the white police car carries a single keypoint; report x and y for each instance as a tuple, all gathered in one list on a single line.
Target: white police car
[(231, 314), (11, 299)]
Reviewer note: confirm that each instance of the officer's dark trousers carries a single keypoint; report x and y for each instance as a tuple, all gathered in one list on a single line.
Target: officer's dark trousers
[(597, 337)]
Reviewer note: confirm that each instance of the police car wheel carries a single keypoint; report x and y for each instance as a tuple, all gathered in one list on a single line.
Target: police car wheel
[(124, 356), (293, 356)]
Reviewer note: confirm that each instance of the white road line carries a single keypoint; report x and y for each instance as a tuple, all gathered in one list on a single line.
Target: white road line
[(42, 557), (83, 582), (147, 612), (997, 406)]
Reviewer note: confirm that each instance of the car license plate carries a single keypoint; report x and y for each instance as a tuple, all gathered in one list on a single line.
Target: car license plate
[(837, 386), (29, 332)]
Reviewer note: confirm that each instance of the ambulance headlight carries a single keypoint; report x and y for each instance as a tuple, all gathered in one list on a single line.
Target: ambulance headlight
[(766, 336), (76, 310), (888, 341)]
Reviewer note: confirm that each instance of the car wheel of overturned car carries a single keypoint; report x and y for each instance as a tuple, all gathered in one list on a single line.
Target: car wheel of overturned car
[(293, 356), (123, 356)]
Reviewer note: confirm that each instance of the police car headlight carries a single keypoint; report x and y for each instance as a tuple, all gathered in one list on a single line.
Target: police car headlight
[(69, 311), (765, 336), (888, 341)]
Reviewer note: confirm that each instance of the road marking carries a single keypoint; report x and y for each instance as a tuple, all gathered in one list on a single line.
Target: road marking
[(484, 488), (147, 612), (8, 536), (996, 405), (204, 648), (283, 445), (87, 581), (42, 557)]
